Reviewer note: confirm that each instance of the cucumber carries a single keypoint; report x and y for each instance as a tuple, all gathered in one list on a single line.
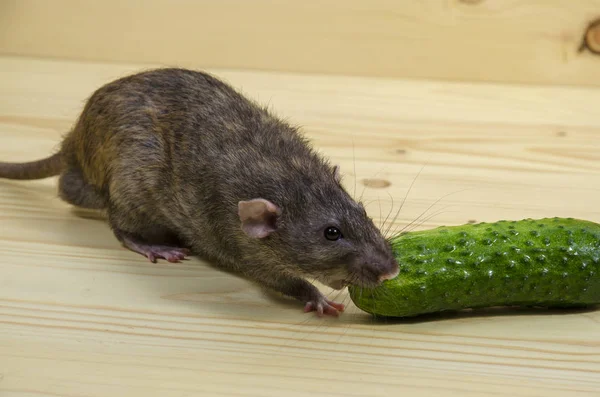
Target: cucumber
[(550, 262)]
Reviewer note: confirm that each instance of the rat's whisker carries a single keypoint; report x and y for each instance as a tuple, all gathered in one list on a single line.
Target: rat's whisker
[(431, 206), (404, 200), (354, 165), (416, 222), (389, 212), (365, 185), (439, 212), (380, 216)]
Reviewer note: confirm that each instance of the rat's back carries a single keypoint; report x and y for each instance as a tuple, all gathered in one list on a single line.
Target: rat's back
[(152, 118), (175, 145)]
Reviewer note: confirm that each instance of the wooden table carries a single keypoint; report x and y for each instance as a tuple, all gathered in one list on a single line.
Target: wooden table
[(81, 316)]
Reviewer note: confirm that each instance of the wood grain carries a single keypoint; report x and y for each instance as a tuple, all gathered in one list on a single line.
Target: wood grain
[(81, 316), (517, 41)]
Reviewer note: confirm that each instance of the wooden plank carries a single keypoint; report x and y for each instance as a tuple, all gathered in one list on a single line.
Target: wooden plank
[(81, 316), (517, 41)]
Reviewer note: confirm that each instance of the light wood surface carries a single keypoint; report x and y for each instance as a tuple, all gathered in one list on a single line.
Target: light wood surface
[(81, 316), (518, 41)]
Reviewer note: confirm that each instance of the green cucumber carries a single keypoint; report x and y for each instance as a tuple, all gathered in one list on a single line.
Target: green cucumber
[(550, 262)]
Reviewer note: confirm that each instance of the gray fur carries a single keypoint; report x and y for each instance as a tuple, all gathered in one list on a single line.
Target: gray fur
[(170, 153)]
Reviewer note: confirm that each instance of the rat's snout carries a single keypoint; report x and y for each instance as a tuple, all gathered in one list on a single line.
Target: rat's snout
[(374, 270), (390, 275)]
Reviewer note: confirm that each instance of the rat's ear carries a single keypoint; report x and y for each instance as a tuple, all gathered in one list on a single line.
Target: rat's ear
[(336, 173), (258, 217)]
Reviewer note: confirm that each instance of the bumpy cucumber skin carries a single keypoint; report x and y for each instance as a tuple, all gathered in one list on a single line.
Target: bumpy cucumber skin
[(550, 262)]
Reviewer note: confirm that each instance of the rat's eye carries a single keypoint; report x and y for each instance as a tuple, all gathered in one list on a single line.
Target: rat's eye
[(333, 233)]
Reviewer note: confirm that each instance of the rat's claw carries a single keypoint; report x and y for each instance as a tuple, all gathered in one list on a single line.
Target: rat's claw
[(338, 306), (171, 254), (324, 306), (153, 252)]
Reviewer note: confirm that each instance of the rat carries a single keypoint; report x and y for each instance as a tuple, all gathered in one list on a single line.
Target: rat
[(182, 163)]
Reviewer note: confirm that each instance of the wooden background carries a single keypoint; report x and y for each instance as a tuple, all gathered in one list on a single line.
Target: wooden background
[(487, 106), (517, 41)]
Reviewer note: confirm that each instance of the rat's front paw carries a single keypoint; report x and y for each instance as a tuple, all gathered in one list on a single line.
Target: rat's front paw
[(323, 306)]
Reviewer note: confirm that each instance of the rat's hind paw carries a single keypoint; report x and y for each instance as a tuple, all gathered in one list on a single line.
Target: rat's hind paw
[(152, 252), (171, 254), (324, 306)]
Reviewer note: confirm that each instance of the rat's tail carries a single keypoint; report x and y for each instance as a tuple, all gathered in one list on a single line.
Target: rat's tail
[(39, 169)]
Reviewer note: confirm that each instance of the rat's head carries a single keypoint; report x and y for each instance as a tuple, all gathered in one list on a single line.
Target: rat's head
[(324, 235)]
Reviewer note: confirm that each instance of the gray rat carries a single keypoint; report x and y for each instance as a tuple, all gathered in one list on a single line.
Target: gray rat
[(183, 163)]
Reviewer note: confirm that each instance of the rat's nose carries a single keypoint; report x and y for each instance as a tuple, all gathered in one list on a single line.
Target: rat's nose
[(376, 269), (390, 271), (389, 276)]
